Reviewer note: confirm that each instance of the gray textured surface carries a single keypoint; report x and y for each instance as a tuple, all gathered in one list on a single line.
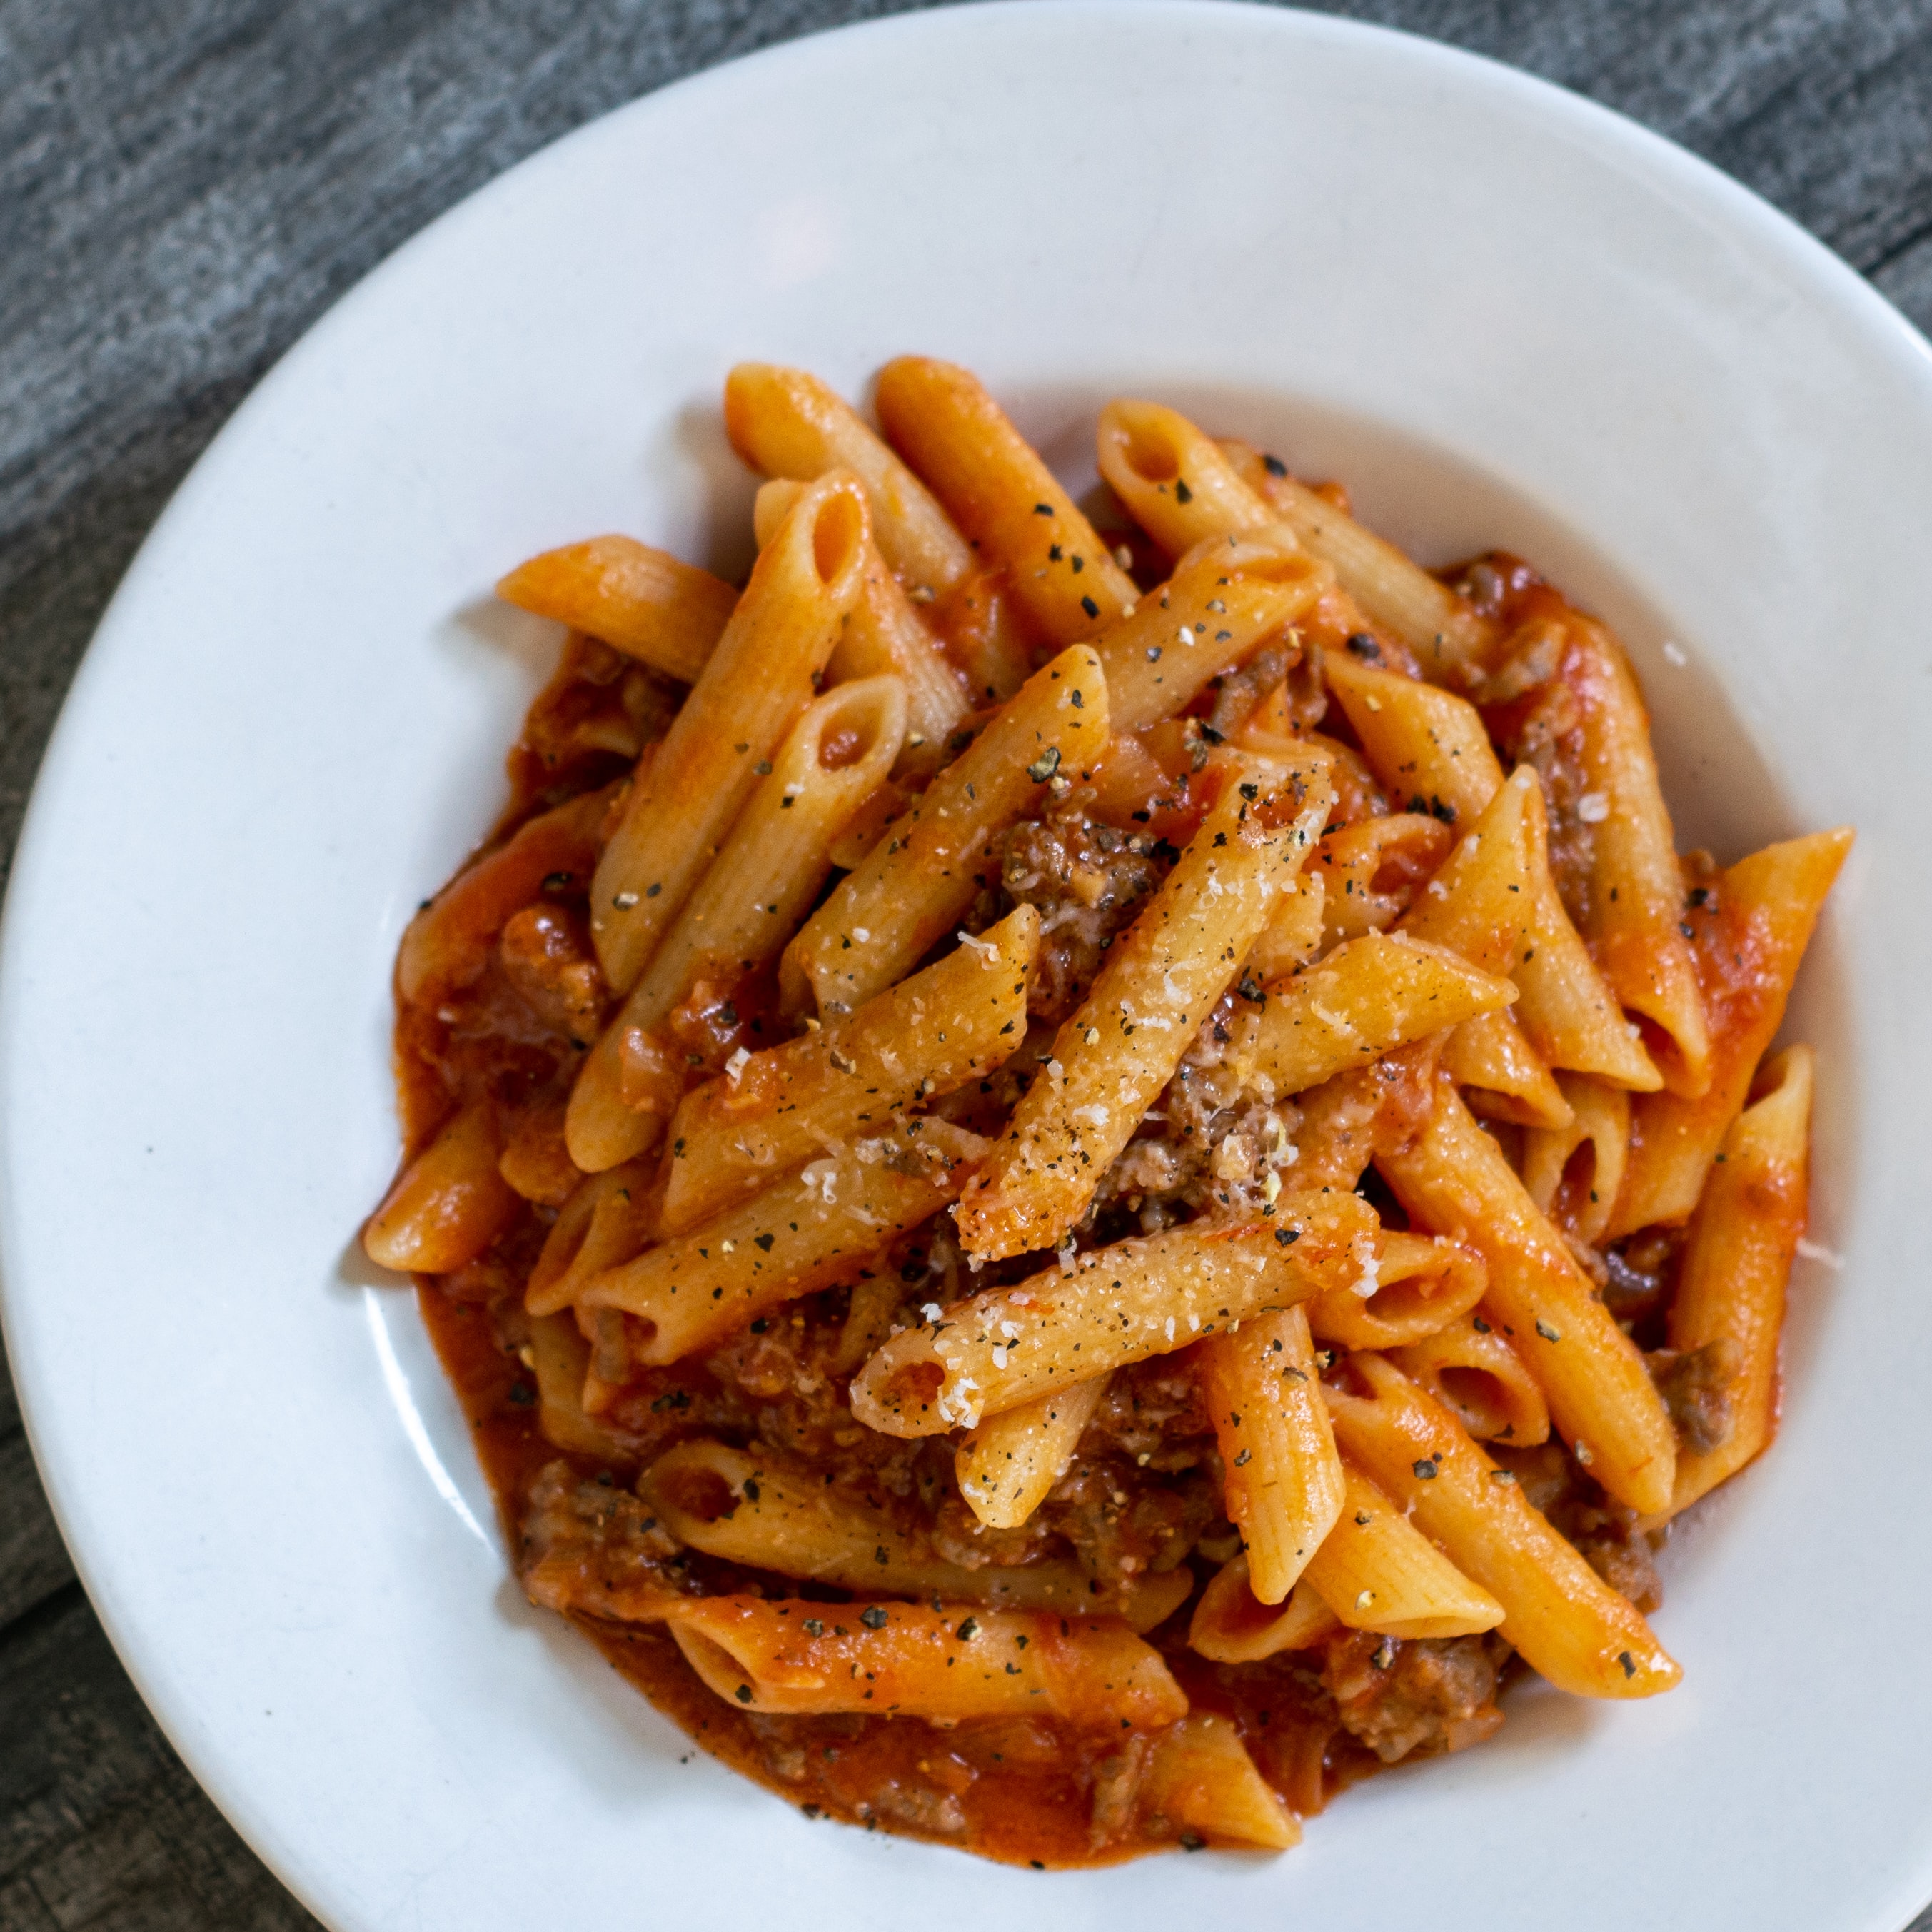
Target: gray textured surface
[(185, 185)]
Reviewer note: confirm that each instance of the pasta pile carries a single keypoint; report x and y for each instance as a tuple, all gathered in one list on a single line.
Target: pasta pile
[(1078, 1179)]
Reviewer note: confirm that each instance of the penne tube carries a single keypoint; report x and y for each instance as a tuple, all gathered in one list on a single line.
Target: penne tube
[(1231, 1625), (1002, 497), (1736, 1267), (790, 425), (850, 848), (1505, 1080), (667, 614), (1181, 487), (746, 906), (449, 1203), (1427, 745), (1485, 902), (1006, 1467), (912, 890), (869, 1316), (1752, 924), (1635, 889), (560, 1359), (956, 1022), (450, 941), (1573, 1173), (1283, 1480), (1567, 1623), (816, 1229), (1449, 639), (1368, 997), (1225, 600), (1419, 1284), (747, 1506), (535, 1160), (1338, 622), (1200, 1777), (945, 1664), (884, 636), (1398, 851), (786, 423), (1453, 1180), (1293, 934), (1377, 1571), (779, 853), (610, 1218), (1495, 903), (1120, 1048), (1112, 1306), (757, 682), (1176, 484), (1474, 1373)]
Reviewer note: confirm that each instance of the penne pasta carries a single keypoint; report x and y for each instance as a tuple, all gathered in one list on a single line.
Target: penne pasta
[(1453, 1180), (1419, 1284), (786, 423), (1122, 1046), (1377, 1571), (1002, 497), (1752, 924), (955, 1021), (1449, 639), (1565, 1620), (1496, 903), (815, 1230), (1502, 1078), (1634, 891), (1112, 1306), (1729, 1306), (1370, 871), (912, 890), (1573, 1172), (765, 1512), (1231, 1625), (884, 636), (1283, 1485), (448, 1204), (1225, 600), (1367, 997), (1006, 1466), (1293, 934), (1176, 484), (945, 1664), (668, 614), (1474, 1373), (448, 943), (1425, 744), (1182, 486), (790, 425), (1200, 1778), (560, 1360), (609, 1218), (745, 908), (753, 687)]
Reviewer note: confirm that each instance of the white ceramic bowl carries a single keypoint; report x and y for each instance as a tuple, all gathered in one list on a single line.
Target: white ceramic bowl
[(1504, 317)]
